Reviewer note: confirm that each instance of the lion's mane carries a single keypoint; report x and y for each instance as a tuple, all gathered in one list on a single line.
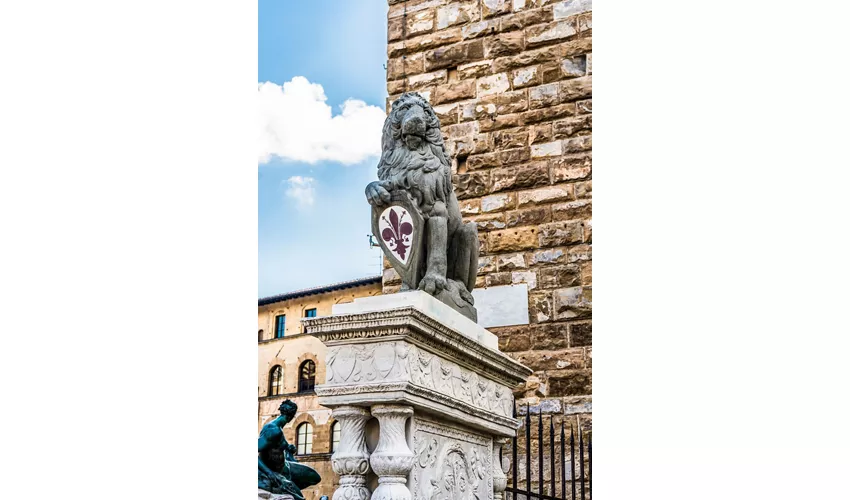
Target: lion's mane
[(397, 162)]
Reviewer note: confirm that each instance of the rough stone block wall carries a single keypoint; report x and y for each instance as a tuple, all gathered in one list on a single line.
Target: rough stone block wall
[(511, 83)]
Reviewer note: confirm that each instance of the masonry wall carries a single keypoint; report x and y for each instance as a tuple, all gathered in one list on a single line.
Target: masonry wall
[(511, 83)]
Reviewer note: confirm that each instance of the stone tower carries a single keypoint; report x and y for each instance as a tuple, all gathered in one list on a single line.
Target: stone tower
[(510, 81)]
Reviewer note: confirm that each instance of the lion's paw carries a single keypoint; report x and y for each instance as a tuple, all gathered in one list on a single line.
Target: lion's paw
[(432, 284)]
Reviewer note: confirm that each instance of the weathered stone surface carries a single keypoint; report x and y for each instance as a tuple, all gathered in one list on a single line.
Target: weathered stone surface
[(417, 82), (504, 44), (589, 64), (584, 107), (520, 20), (574, 67), (540, 133), (410, 7), (514, 138), (498, 279), (548, 33), (555, 234), (493, 85), (564, 359), (571, 126), (485, 160), (391, 277), (523, 176), (577, 144), (571, 382), (550, 256), (513, 156), (489, 222), (524, 59), (544, 95), (529, 216), (499, 122), (475, 69), (579, 253), (548, 113), (454, 91), (424, 42), (572, 302), (525, 77), (448, 114), (581, 334), (577, 88), (511, 261), (456, 13), (454, 55), (577, 404), (580, 209), (490, 8), (570, 168), (546, 149), (499, 104), (512, 240), (527, 277), (480, 29), (571, 7), (401, 67), (472, 184), (420, 22), (486, 264), (498, 202), (559, 276), (584, 189), (545, 195), (540, 307)]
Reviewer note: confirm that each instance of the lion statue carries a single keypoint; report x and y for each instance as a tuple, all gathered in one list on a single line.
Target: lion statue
[(414, 161)]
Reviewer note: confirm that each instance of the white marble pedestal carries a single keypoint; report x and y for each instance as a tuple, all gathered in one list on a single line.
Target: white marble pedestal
[(439, 388)]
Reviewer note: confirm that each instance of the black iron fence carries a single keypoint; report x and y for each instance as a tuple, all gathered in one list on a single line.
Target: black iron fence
[(567, 480)]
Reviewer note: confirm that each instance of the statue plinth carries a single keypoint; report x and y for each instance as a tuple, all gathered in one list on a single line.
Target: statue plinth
[(433, 379)]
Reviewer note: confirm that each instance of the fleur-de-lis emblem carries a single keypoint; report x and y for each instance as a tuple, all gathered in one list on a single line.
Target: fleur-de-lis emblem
[(398, 232)]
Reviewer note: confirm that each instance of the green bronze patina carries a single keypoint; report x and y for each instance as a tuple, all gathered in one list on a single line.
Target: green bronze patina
[(279, 472)]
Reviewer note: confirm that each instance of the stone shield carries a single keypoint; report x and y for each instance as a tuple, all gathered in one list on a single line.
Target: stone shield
[(400, 230)]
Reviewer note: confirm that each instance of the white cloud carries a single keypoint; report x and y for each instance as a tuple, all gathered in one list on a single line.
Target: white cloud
[(301, 190), (296, 124)]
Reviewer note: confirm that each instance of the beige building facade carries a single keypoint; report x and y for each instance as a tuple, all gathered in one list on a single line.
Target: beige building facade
[(290, 363)]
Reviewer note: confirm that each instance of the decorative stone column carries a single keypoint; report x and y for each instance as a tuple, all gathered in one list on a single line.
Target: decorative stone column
[(436, 382), (351, 459), (500, 480), (392, 460)]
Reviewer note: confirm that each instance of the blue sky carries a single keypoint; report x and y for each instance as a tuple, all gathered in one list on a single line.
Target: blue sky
[(318, 153)]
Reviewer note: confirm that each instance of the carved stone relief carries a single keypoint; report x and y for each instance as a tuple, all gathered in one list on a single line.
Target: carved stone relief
[(451, 463), (400, 362)]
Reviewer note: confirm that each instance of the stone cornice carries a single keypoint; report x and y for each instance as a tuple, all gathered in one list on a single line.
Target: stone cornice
[(416, 327), (416, 390)]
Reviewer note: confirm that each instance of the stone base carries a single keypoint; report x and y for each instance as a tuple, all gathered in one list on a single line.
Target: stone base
[(267, 495)]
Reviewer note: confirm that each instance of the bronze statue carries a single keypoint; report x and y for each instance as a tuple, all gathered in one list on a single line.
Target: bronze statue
[(415, 213), (279, 471)]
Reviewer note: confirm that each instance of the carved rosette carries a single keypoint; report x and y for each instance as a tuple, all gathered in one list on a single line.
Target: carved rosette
[(392, 459), (351, 459), (500, 480)]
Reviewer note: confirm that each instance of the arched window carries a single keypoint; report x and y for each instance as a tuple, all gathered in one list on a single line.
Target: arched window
[(259, 336), (335, 434), (276, 381), (307, 376), (304, 439)]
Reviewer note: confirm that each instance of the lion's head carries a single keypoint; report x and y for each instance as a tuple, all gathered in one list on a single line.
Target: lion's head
[(410, 124)]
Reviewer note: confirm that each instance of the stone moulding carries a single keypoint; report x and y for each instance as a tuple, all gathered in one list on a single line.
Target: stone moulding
[(412, 325), (397, 392)]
